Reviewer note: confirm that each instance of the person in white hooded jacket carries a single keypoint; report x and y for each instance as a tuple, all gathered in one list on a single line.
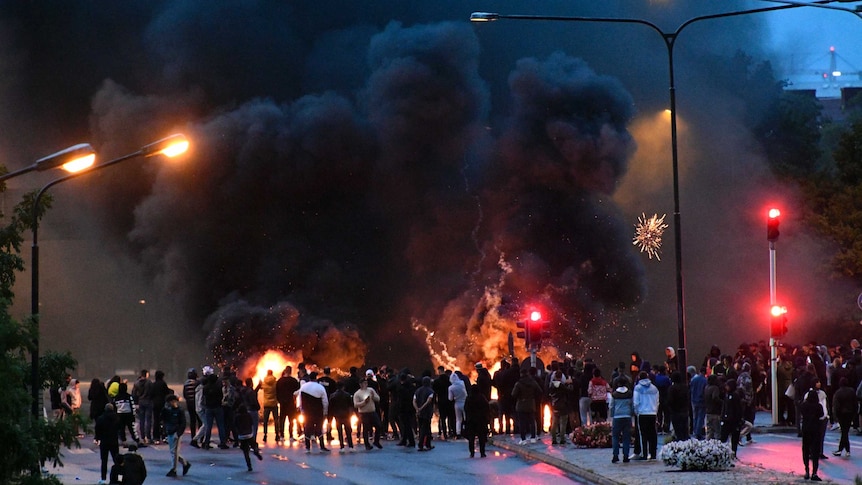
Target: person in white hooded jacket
[(646, 407)]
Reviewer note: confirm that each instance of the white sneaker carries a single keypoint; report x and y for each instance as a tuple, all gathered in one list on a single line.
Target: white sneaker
[(101, 482), (633, 456), (523, 442), (835, 426), (532, 440)]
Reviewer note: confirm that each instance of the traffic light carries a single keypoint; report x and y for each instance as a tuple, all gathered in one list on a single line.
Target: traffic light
[(538, 328), (772, 225), (524, 334), (778, 324)]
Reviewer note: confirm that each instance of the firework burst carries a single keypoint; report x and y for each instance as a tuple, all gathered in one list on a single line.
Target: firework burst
[(648, 233)]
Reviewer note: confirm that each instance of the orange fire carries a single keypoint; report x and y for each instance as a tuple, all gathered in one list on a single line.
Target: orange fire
[(273, 360)]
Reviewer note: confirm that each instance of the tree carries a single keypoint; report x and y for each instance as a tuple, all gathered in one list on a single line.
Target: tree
[(36, 441)]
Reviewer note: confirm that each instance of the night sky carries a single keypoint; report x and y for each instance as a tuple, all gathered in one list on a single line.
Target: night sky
[(388, 182)]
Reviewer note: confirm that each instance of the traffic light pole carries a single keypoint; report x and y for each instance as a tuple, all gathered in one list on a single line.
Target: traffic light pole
[(773, 350)]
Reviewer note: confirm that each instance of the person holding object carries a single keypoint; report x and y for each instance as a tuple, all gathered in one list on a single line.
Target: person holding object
[(174, 419)]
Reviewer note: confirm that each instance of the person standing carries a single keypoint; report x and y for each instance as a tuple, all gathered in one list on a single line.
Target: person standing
[(365, 400), (107, 432), (159, 394), (598, 390), (314, 404), (697, 387), (731, 415), (457, 393), (98, 397), (477, 411), (248, 396), (403, 393), (621, 410), (712, 402), (174, 419), (340, 407), (423, 403), (678, 403), (189, 395), (73, 397), (844, 410), (821, 398), (645, 401), (270, 403), (812, 417), (125, 407), (559, 391), (445, 407), (525, 393), (285, 393), (213, 411)]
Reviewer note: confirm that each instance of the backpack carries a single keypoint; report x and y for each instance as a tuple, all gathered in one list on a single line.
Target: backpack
[(745, 385), (229, 397)]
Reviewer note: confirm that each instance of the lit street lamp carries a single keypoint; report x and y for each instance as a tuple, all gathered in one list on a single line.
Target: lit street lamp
[(73, 159), (171, 146)]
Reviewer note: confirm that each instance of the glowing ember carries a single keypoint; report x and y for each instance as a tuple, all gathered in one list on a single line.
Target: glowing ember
[(648, 233)]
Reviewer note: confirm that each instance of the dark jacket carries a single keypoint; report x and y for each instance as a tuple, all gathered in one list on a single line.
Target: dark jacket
[(285, 386), (340, 405), (98, 397), (107, 429), (174, 419), (712, 400), (732, 408), (477, 412), (677, 398), (844, 402), (483, 380), (526, 393), (212, 392)]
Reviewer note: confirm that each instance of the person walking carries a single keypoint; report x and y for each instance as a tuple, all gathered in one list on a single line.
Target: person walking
[(107, 432), (244, 423), (731, 415), (285, 393), (174, 419), (712, 402), (598, 390), (645, 401), (98, 397), (844, 410), (621, 410), (812, 417), (125, 408), (478, 412)]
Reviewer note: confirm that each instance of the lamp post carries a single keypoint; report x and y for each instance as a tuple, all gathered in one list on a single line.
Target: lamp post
[(171, 146), (73, 159), (669, 38)]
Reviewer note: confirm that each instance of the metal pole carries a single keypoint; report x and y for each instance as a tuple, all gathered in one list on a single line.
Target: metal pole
[(773, 343)]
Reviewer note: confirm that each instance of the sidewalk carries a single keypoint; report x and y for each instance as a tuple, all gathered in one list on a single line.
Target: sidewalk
[(594, 465)]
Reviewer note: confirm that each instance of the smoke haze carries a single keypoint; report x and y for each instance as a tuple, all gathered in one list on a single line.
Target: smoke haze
[(383, 183)]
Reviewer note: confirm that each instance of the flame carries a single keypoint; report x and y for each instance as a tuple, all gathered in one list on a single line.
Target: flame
[(273, 360)]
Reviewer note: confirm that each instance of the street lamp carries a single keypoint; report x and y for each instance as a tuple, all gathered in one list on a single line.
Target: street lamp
[(171, 146), (669, 39), (73, 159)]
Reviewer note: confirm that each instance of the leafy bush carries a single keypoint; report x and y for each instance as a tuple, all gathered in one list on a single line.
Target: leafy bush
[(697, 455), (596, 435)]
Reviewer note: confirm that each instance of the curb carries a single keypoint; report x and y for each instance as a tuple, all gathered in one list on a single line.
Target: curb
[(564, 465)]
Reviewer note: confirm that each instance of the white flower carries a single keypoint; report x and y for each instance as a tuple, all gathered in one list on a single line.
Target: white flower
[(700, 455)]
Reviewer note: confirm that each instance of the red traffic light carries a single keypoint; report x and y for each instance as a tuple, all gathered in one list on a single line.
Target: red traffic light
[(535, 315), (778, 323), (772, 225)]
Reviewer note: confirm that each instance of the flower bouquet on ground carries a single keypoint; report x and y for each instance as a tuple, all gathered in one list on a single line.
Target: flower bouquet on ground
[(596, 435), (697, 455)]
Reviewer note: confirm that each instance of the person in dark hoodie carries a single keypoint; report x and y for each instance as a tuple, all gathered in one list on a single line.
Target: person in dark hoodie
[(245, 425), (340, 408), (525, 393), (678, 404), (559, 393), (98, 397), (712, 402), (423, 403), (477, 412), (107, 434), (812, 417), (159, 393), (621, 410), (731, 415)]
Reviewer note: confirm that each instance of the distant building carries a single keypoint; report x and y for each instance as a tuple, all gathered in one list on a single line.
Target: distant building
[(834, 87)]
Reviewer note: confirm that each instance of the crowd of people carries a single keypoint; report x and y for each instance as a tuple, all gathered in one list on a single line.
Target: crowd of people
[(640, 400)]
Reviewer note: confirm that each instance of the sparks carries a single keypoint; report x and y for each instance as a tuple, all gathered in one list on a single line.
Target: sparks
[(648, 234)]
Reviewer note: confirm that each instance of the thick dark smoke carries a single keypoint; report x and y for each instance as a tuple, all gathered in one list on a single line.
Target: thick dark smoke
[(363, 184)]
